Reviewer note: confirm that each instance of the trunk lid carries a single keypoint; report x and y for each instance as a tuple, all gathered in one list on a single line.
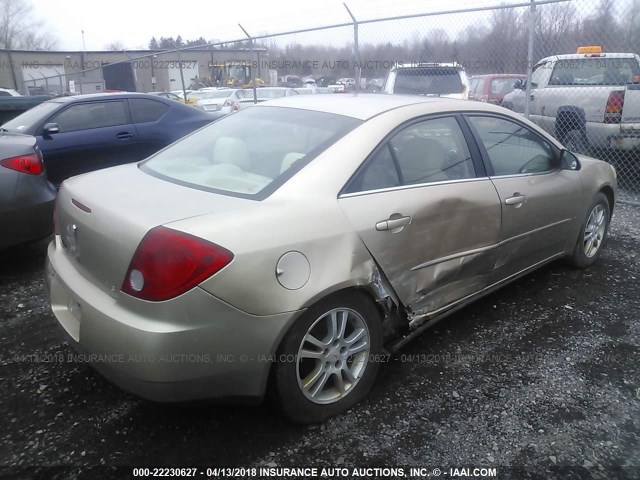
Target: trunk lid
[(103, 217)]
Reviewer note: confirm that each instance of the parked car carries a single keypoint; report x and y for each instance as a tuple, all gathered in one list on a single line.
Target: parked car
[(447, 80), (86, 132), (26, 197), (9, 92), (265, 93), (587, 99), (224, 100), (492, 88), (347, 82), (286, 255)]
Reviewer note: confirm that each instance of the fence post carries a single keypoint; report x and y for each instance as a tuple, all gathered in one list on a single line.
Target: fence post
[(356, 48), (532, 28), (253, 78)]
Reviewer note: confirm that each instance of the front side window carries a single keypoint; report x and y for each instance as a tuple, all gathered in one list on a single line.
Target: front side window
[(228, 157), (86, 116), (424, 152), (513, 149)]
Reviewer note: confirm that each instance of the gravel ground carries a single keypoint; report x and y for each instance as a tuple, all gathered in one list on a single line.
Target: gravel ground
[(543, 373)]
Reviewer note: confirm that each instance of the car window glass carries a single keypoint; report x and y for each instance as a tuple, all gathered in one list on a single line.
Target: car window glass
[(428, 81), (538, 73), (432, 151), (145, 110), (86, 116), (379, 172), (594, 71), (512, 148), (502, 86), (228, 157)]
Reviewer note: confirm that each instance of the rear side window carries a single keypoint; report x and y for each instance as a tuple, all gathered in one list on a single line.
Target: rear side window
[(512, 148), (428, 81), (424, 152), (145, 110), (86, 116)]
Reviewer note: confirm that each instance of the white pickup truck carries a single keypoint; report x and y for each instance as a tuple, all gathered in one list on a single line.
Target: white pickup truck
[(588, 99)]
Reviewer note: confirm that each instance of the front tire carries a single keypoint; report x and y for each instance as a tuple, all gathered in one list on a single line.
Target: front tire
[(327, 361), (593, 233)]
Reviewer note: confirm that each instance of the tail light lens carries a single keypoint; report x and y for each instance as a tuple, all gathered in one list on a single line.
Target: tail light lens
[(30, 164), (613, 110), (168, 263)]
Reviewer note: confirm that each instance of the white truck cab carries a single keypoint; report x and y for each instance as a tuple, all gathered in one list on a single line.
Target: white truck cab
[(590, 98)]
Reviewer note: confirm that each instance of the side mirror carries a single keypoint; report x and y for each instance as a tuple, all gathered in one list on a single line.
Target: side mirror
[(50, 129), (569, 161), (519, 85)]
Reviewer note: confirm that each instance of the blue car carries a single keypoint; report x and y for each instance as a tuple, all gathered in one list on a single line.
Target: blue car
[(79, 134)]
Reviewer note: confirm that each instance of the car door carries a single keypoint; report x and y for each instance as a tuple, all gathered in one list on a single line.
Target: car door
[(427, 213), (91, 135), (540, 201), (152, 135)]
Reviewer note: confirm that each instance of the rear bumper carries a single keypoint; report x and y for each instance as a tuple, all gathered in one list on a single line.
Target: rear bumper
[(30, 217), (614, 136), (192, 347)]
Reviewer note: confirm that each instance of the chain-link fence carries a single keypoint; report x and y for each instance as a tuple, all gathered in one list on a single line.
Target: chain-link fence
[(571, 66)]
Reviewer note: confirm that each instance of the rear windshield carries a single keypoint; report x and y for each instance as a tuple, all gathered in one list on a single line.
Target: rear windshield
[(428, 81), (595, 71), (250, 153)]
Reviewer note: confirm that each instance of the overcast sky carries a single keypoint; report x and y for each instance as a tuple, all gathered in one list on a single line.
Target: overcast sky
[(134, 22)]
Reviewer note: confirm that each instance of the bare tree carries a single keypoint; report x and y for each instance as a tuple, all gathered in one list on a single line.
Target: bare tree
[(18, 25), (116, 46)]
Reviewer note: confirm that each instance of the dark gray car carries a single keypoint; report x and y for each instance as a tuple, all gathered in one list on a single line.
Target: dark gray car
[(26, 196)]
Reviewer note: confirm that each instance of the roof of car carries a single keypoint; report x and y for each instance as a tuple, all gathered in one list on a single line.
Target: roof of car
[(365, 106), (500, 75), (97, 96), (580, 56)]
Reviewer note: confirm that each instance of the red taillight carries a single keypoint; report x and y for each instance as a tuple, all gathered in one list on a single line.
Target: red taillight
[(613, 110), (31, 164), (167, 263)]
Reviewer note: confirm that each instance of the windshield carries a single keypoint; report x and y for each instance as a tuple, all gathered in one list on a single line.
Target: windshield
[(428, 81), (502, 86), (28, 121), (250, 153)]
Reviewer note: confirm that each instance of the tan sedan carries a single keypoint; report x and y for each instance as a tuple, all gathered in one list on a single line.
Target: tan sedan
[(286, 246)]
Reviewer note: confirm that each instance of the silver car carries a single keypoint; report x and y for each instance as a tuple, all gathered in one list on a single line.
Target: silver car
[(26, 196), (287, 246)]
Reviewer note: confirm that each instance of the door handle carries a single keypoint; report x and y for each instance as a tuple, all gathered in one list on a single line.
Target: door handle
[(393, 223), (517, 200), (532, 97), (124, 135)]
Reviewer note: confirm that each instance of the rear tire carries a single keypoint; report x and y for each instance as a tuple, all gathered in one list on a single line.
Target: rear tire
[(329, 359), (575, 142), (593, 233)]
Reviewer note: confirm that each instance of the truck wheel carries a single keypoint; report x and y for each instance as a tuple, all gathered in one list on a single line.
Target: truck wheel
[(574, 142)]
